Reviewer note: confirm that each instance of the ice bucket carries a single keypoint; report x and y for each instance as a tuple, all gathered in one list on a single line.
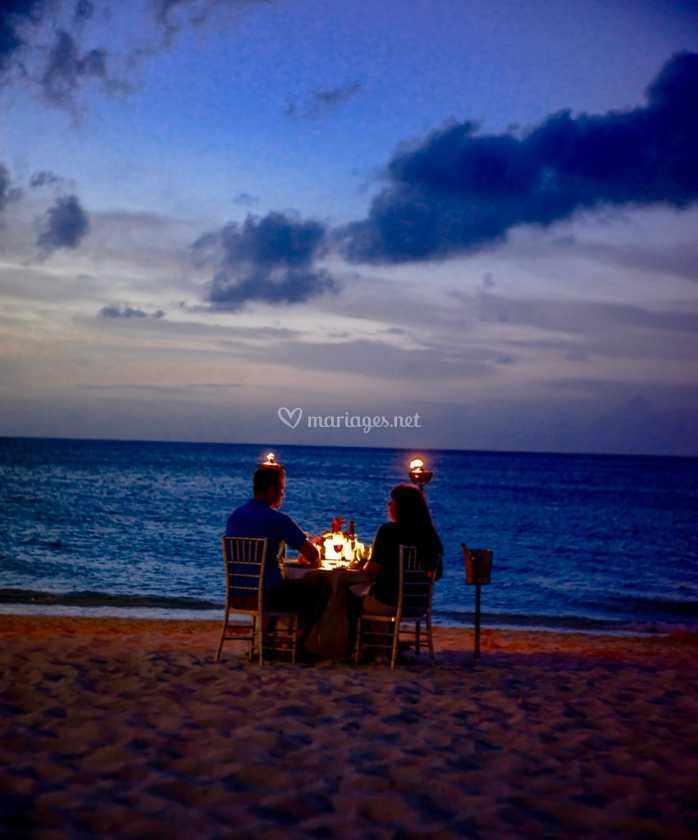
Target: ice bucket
[(478, 565)]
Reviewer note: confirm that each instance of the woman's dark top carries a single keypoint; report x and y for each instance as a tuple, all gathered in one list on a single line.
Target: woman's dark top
[(386, 552)]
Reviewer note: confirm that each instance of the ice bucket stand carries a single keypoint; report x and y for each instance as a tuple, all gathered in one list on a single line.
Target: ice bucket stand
[(478, 572)]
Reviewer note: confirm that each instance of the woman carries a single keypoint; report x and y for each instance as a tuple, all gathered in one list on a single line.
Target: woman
[(410, 524)]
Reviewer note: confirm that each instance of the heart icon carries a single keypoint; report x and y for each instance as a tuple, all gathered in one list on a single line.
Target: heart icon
[(291, 417)]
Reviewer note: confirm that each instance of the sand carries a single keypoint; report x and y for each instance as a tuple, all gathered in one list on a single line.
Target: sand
[(126, 727)]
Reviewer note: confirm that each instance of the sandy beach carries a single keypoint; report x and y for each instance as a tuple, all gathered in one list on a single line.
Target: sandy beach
[(128, 727)]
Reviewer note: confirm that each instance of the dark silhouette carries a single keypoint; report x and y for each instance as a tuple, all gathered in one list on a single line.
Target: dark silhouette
[(260, 517), (410, 524)]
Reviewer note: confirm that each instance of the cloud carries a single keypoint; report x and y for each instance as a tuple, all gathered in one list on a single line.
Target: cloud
[(4, 186), (41, 41), (60, 67), (44, 178), (459, 191), (576, 317), (133, 386), (64, 225), (125, 311), (323, 100), (199, 10), (84, 9), (8, 193), (15, 17), (269, 259), (679, 258), (67, 69), (245, 199)]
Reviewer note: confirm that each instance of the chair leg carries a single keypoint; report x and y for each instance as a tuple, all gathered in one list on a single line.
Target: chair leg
[(220, 643), (260, 638), (393, 655), (430, 640), (417, 637), (294, 643), (357, 644), (253, 639)]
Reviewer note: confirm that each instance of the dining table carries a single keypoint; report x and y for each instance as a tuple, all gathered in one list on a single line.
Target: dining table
[(330, 636)]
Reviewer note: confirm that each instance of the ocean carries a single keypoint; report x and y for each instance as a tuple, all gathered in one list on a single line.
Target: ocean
[(581, 542)]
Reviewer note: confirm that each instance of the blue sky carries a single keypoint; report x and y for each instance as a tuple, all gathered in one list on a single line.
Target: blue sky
[(574, 336)]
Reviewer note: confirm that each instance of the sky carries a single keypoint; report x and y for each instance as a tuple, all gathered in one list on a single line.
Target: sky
[(478, 215)]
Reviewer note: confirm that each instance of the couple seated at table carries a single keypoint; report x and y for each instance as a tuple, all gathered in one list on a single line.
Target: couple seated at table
[(409, 524)]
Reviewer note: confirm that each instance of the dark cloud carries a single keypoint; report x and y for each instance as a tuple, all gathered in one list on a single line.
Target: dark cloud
[(4, 185), (198, 12), (16, 16), (84, 9), (70, 63), (44, 178), (8, 193), (270, 259), (125, 311), (459, 191), (60, 70), (269, 286), (67, 69), (164, 8), (64, 225), (323, 100)]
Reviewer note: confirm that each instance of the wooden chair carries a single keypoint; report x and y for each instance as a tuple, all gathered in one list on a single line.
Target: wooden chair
[(414, 605), (244, 560)]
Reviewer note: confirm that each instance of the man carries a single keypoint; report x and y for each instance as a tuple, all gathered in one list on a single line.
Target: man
[(260, 517)]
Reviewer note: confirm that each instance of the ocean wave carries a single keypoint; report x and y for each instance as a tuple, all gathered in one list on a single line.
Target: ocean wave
[(656, 606), (104, 599), (130, 603)]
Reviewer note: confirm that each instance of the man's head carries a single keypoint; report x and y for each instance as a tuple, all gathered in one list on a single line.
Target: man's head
[(269, 485)]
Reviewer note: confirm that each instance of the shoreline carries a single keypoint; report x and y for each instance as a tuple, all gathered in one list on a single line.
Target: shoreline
[(653, 630), (104, 605), (129, 727), (448, 638)]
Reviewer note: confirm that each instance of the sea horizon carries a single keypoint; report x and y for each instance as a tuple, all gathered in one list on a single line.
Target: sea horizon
[(410, 449)]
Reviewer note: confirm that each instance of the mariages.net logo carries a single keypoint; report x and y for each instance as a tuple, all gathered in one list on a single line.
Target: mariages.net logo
[(292, 417)]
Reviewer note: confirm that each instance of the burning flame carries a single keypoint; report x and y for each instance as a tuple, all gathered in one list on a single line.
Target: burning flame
[(339, 547), (417, 465)]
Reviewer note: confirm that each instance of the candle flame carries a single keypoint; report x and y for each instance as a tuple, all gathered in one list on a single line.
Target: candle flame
[(339, 547)]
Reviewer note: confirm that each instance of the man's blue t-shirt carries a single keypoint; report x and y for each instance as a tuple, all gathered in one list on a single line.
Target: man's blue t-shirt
[(258, 519)]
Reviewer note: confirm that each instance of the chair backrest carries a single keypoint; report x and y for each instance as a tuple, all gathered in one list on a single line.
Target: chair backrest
[(244, 559), (414, 599)]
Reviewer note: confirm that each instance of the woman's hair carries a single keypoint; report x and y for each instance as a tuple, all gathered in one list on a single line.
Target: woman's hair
[(413, 517)]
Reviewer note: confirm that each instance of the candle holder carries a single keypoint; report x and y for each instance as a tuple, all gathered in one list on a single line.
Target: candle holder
[(270, 461), (418, 473)]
